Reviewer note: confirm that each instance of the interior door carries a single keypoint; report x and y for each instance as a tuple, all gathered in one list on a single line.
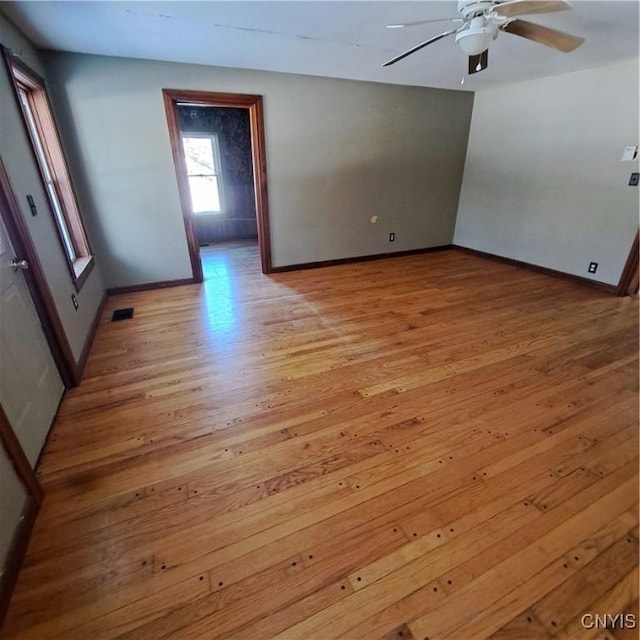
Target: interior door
[(20, 499), (30, 384), (13, 504)]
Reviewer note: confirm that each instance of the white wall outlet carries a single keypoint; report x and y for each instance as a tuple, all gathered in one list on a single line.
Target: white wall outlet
[(629, 153)]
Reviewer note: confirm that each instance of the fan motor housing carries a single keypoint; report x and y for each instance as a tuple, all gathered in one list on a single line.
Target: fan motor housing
[(469, 8)]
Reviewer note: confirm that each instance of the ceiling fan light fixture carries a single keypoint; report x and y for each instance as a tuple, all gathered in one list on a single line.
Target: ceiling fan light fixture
[(484, 19), (475, 40)]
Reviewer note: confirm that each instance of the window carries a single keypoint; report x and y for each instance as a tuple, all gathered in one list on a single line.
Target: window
[(41, 127), (202, 156)]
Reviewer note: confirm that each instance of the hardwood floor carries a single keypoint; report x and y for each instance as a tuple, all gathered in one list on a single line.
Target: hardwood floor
[(437, 446)]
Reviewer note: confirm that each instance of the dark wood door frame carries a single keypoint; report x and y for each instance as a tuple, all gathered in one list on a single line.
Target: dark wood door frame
[(36, 282), (630, 268), (174, 97), (20, 540)]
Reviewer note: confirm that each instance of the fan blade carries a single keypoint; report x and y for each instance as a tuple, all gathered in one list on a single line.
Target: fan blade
[(414, 24), (479, 62), (419, 46), (515, 8), (559, 40)]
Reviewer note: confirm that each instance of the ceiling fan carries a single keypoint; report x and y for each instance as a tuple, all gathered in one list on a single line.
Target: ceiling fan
[(483, 19)]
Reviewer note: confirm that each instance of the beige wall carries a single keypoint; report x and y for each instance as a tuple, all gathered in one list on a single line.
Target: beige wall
[(543, 181), (338, 152), (25, 179)]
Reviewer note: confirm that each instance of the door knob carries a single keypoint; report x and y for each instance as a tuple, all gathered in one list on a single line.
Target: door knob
[(19, 264)]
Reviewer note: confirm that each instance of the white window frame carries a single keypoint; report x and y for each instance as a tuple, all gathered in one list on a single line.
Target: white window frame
[(215, 149)]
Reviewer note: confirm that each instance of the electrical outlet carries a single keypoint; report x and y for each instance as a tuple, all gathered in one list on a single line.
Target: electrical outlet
[(75, 301), (593, 267), (633, 180), (392, 237)]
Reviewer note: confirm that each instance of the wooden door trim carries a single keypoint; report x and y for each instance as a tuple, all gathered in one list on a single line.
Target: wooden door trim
[(630, 267), (36, 282), (20, 541), (258, 152)]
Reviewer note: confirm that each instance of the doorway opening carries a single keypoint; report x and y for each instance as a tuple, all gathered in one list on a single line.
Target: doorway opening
[(217, 142), (217, 149)]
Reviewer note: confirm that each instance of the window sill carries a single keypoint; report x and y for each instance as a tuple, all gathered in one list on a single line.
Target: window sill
[(208, 213), (82, 267)]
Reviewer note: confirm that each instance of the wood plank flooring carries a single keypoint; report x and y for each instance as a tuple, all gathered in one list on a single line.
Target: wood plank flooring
[(436, 446)]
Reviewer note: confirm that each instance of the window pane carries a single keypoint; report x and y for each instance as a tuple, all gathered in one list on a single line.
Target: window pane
[(64, 232), (44, 138), (198, 153), (46, 172), (205, 196)]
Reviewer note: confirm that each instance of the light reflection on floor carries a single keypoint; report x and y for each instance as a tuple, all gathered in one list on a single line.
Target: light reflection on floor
[(223, 308)]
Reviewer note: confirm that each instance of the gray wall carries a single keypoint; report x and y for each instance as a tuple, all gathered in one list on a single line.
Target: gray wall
[(338, 152), (25, 179), (543, 181)]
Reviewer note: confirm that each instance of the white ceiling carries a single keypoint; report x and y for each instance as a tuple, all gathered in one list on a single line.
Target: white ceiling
[(332, 38)]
